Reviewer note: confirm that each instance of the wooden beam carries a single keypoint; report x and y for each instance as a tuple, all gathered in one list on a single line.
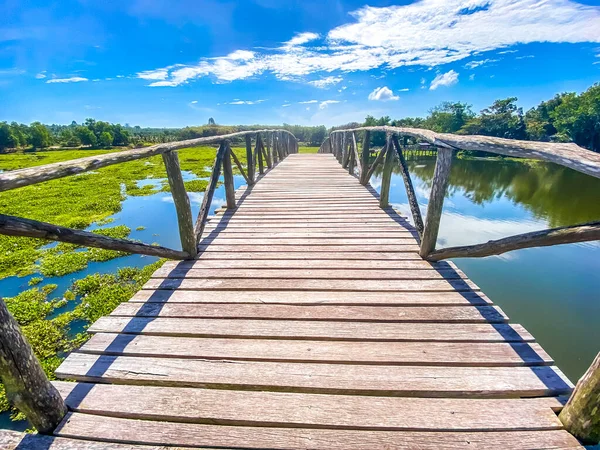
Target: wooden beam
[(238, 164), (17, 226), (32, 175), (182, 203), (345, 152), (259, 150), (581, 414), (555, 236), (441, 177), (568, 155), (377, 161), (228, 179), (410, 191), (356, 162), (268, 155), (24, 380), (364, 160), (210, 191), (249, 160), (386, 177)]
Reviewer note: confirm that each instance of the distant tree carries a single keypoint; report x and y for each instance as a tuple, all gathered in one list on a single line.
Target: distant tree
[(211, 121), (449, 117), (578, 118), (39, 136), (106, 139), (377, 139), (7, 137), (502, 119), (85, 135)]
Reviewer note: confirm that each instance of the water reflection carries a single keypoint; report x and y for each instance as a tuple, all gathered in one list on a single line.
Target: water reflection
[(554, 291)]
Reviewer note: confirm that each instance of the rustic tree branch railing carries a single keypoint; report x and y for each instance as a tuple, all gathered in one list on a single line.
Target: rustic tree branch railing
[(189, 233), (581, 415)]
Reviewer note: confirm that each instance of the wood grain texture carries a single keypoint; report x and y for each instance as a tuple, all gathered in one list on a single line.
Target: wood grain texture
[(229, 407), (87, 426)]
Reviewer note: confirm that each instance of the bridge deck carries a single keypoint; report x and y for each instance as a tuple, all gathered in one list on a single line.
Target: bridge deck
[(310, 321)]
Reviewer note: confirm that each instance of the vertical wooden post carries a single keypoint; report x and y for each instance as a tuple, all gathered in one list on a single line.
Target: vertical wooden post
[(182, 203), (259, 147), (410, 191), (386, 176), (581, 414), (210, 192), (269, 155), (365, 158), (27, 387), (345, 152), (228, 179), (441, 177), (249, 160)]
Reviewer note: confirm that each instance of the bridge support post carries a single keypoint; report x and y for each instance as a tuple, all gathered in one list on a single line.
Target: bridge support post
[(581, 414), (364, 156), (182, 203), (386, 177), (441, 177), (27, 387), (249, 160), (228, 179), (260, 150)]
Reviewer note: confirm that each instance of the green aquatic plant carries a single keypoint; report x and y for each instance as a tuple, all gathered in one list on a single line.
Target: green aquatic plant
[(35, 280)]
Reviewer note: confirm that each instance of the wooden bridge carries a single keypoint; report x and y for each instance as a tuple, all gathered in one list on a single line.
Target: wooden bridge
[(308, 319)]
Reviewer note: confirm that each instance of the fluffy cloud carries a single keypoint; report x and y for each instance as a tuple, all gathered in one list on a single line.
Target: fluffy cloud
[(427, 33), (244, 102), (308, 101), (326, 103), (325, 82), (444, 79), (67, 80), (383, 94), (473, 64)]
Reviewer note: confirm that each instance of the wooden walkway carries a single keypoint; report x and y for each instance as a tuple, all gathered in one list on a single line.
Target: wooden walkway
[(310, 321)]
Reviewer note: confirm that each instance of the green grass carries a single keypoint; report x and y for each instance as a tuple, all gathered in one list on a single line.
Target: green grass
[(308, 149)]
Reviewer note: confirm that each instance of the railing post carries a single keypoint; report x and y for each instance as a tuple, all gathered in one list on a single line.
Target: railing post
[(268, 155), (249, 160), (228, 178), (27, 387), (386, 176), (410, 191), (260, 149), (441, 177), (210, 192), (581, 414), (365, 158), (345, 152), (182, 203)]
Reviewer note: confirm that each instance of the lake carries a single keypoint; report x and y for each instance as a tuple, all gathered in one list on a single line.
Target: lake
[(554, 292)]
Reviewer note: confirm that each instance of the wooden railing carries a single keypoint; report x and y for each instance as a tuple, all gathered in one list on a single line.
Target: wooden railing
[(343, 144), (581, 414), (270, 146)]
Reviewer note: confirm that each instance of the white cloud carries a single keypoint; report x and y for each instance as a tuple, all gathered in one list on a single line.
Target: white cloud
[(308, 101), (444, 79), (525, 57), (473, 64), (326, 103), (41, 75), (325, 82), (286, 105), (383, 94), (472, 77), (193, 102), (404, 90), (428, 33), (245, 102), (505, 52), (67, 80)]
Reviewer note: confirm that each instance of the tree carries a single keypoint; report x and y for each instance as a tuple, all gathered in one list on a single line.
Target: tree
[(449, 117), (7, 137), (377, 139), (211, 121), (85, 135), (39, 136), (106, 139), (502, 119), (578, 117)]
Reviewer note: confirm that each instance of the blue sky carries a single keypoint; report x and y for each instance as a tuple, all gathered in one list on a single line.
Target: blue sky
[(176, 63)]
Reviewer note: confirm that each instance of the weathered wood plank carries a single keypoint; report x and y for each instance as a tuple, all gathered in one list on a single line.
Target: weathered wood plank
[(450, 298), (306, 255), (336, 265), (227, 407), (466, 314), (350, 247), (87, 426), (226, 371), (321, 330)]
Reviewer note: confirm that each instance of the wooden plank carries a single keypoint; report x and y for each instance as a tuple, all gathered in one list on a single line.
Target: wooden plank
[(390, 248), (325, 242), (466, 314), (245, 233), (88, 426), (314, 274), (315, 329), (312, 284), (336, 265), (317, 378), (306, 255), (354, 354), (227, 407), (313, 297)]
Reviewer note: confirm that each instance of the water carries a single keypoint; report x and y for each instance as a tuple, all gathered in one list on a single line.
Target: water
[(553, 291)]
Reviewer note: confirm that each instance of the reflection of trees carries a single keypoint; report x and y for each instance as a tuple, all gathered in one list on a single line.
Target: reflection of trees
[(558, 194)]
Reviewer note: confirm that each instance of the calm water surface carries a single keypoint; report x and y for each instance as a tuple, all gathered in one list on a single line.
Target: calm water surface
[(554, 292)]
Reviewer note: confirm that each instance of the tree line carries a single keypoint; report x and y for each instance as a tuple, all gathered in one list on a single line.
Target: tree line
[(568, 117)]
